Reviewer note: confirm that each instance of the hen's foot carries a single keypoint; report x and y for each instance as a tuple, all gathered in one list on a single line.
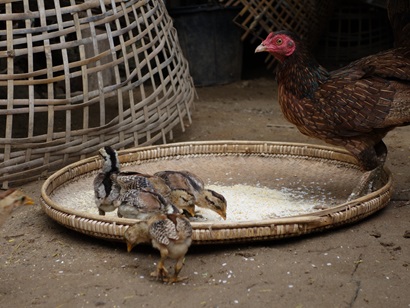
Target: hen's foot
[(369, 182)]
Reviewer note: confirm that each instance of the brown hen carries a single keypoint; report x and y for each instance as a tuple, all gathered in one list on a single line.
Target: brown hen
[(354, 107)]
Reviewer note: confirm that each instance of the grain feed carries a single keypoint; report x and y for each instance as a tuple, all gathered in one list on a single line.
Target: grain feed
[(245, 202)]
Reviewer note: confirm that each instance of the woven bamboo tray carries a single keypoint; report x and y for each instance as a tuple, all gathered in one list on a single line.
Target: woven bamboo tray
[(76, 75), (232, 162)]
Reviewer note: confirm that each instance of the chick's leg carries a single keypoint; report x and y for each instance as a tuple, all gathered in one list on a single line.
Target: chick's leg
[(178, 267), (161, 272)]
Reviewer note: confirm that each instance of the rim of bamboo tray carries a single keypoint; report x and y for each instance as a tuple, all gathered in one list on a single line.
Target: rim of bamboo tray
[(113, 228)]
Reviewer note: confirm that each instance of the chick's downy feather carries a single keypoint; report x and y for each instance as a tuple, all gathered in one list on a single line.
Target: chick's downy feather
[(10, 200), (172, 228), (142, 204)]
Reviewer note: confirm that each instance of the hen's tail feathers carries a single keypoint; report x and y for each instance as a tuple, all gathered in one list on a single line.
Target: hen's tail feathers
[(399, 15)]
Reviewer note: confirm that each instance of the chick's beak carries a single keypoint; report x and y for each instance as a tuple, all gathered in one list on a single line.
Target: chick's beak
[(260, 48), (222, 214), (28, 201), (129, 247), (190, 211)]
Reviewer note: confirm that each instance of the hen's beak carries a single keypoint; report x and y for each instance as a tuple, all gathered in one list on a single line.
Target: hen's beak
[(260, 48)]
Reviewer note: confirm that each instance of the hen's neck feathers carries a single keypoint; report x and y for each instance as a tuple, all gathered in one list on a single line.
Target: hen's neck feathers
[(301, 74)]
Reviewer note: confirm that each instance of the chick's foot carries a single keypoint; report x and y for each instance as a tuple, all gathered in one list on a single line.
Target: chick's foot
[(160, 273), (173, 279)]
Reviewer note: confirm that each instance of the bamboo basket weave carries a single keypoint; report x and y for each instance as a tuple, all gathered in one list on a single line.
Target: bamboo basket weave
[(253, 162), (356, 30), (76, 75), (260, 17)]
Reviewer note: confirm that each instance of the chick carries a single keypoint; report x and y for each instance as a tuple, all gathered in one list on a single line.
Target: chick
[(171, 234), (187, 190), (142, 204), (10, 200), (106, 191)]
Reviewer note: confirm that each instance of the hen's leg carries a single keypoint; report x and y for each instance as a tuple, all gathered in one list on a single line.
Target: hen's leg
[(371, 180), (367, 183)]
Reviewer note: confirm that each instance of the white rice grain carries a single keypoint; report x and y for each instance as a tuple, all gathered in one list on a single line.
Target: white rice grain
[(245, 202)]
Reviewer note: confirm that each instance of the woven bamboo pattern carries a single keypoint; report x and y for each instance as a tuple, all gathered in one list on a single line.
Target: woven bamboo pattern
[(260, 17), (356, 30), (77, 75), (292, 158)]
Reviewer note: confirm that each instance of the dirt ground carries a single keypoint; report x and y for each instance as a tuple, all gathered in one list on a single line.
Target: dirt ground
[(366, 264)]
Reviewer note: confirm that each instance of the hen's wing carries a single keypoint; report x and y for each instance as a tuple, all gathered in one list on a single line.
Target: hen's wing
[(361, 97)]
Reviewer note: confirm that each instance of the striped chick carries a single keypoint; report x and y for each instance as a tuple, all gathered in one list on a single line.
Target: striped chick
[(171, 234), (187, 190)]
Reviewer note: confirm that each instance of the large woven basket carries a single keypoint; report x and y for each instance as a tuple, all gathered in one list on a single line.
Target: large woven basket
[(76, 75), (270, 164)]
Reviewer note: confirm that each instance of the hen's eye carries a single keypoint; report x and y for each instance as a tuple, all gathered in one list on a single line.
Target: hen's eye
[(279, 42)]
